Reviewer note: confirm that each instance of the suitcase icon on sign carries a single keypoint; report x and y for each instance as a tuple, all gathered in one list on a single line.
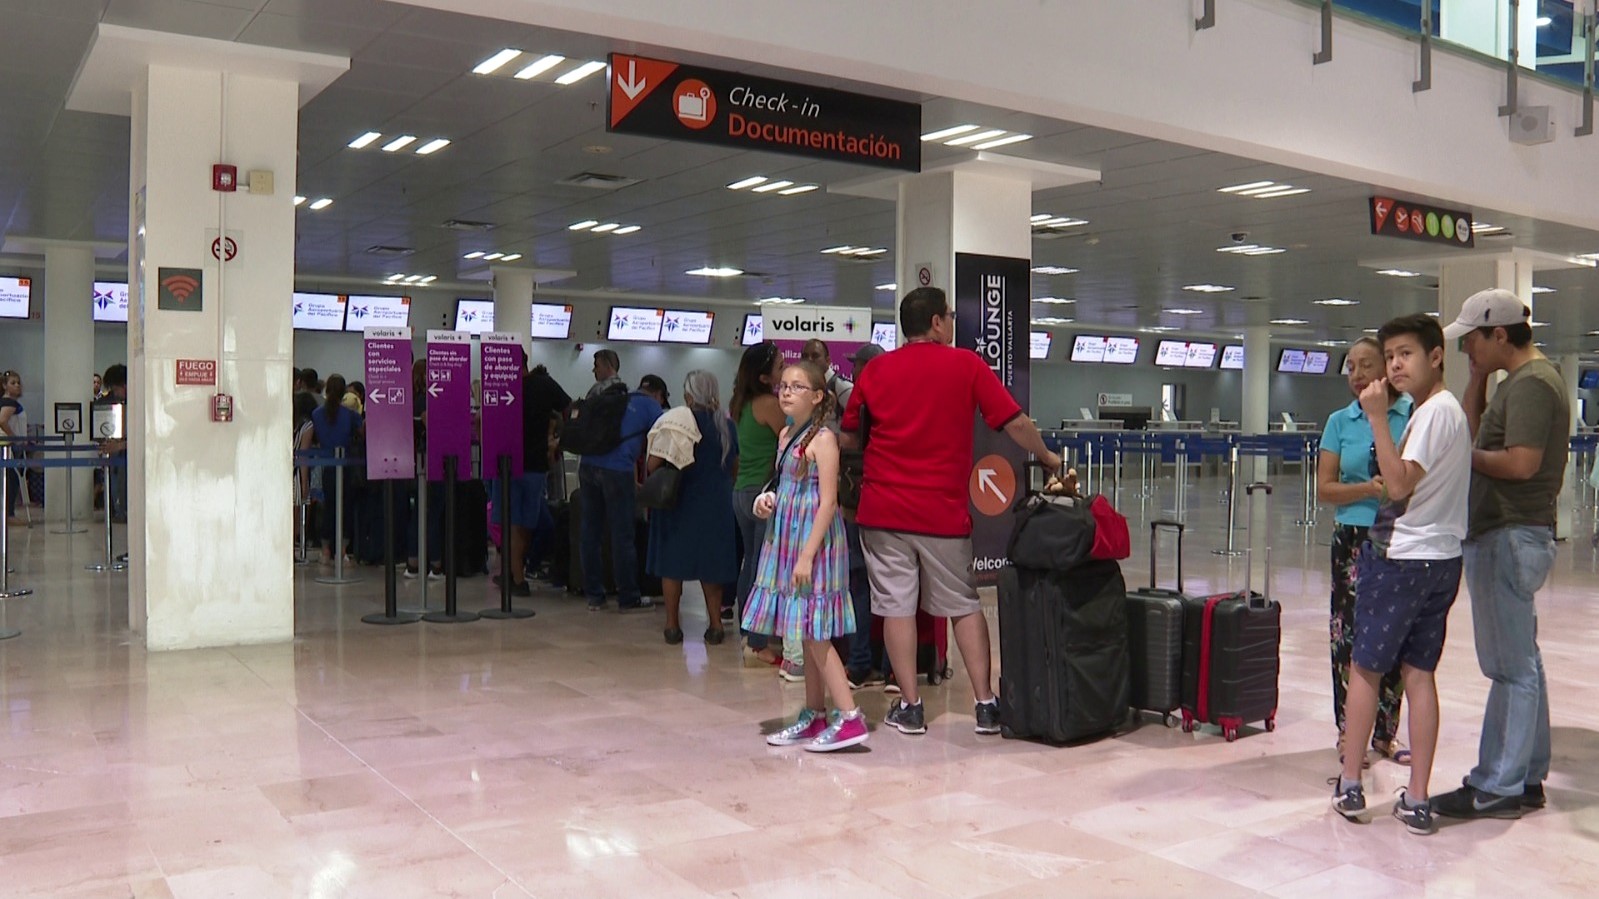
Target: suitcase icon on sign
[(694, 106)]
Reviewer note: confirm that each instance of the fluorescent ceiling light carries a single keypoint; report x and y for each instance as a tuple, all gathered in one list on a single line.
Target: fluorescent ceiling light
[(583, 225), (399, 143), (1331, 342), (428, 280), (1251, 249), (862, 252), (626, 229), (410, 279), (1281, 192), (364, 140), (1009, 139), (1433, 314), (432, 146), (887, 287), (298, 200), (1158, 329), (715, 272), (974, 138), (1060, 221), (801, 189), (1543, 21), (1051, 320), (540, 66), (512, 257), (1040, 217), (1368, 330), (1253, 185), (1336, 301), (1054, 301), (608, 226), (779, 301), (842, 249), (1289, 321), (1538, 324), (1538, 288), (492, 256), (475, 254), (1208, 288), (321, 204), (774, 185), (751, 181), (1260, 191), (1398, 273), (1053, 270), (948, 132), (394, 278), (493, 63), (581, 72), (1184, 311)]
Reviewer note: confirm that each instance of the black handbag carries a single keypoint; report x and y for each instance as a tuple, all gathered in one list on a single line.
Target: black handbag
[(661, 487), (1052, 533)]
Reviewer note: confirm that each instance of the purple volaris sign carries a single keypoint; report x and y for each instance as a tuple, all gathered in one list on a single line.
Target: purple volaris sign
[(501, 360), (449, 402), (390, 443)]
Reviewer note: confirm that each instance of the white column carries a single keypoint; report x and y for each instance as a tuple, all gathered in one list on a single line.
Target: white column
[(925, 233), (513, 298), (1459, 280), (1570, 365), (69, 366)]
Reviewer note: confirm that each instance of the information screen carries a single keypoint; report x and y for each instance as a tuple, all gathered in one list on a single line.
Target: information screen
[(1316, 362), (1172, 353), (754, 329), (474, 316), (885, 335), (1589, 379), (628, 323), (16, 297), (551, 322), (1232, 358), (110, 301), (1088, 348), (1121, 350), (1200, 355), (361, 312), (685, 326), (318, 312), (1291, 362), (1039, 347)]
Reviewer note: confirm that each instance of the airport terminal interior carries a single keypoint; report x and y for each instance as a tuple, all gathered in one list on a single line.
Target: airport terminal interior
[(1180, 217)]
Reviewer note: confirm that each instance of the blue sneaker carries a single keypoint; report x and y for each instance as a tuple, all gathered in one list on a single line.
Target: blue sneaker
[(1351, 802)]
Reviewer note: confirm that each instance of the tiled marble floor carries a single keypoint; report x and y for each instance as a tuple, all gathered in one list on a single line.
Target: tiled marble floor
[(577, 755)]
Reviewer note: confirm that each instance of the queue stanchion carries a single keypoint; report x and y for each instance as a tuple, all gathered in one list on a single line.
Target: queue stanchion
[(391, 613), (1232, 504), (1116, 474), (452, 613), (338, 525), (6, 590), (110, 563), (1180, 457), (302, 554), (70, 527), (505, 609), (423, 565)]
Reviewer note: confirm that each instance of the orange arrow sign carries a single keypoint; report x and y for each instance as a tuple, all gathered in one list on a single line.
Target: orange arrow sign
[(632, 79)]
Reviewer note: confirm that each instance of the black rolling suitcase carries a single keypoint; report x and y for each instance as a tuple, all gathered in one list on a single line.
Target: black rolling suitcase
[(1232, 655), (1155, 636), (1063, 652)]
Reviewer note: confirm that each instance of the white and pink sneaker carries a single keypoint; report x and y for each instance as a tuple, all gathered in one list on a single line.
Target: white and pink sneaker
[(807, 727)]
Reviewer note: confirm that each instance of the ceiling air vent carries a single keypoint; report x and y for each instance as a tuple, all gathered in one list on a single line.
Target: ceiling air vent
[(389, 252), (597, 181), (464, 225)]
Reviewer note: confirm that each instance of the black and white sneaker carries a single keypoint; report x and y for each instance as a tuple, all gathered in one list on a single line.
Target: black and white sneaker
[(987, 714), (907, 719), (1416, 818), (1470, 802), (1350, 803)]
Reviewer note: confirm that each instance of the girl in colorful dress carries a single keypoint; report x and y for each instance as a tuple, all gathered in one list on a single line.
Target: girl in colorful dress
[(801, 590)]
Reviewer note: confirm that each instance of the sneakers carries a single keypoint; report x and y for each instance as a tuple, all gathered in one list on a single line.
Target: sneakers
[(860, 680), (907, 719), (517, 589), (793, 672), (807, 727), (1416, 818), (1470, 802), (987, 717), (643, 605), (845, 731), (1532, 797), (1350, 803)]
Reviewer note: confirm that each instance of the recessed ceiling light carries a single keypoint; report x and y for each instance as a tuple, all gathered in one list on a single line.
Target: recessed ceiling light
[(948, 132), (1589, 256), (1485, 228), (492, 256), (1336, 301), (862, 252), (432, 146), (887, 287), (1593, 334), (1004, 141), (1251, 249), (839, 249), (399, 143), (1054, 301), (511, 257), (1543, 21), (1263, 190), (540, 66), (627, 229), (1052, 320), (1053, 270), (779, 301), (1040, 217), (321, 204), (1289, 321), (493, 63), (298, 200), (974, 138), (1280, 192), (428, 280), (773, 185), (1184, 311), (1538, 324), (1539, 288), (583, 225), (608, 226), (751, 181), (800, 189), (1398, 273), (1058, 221), (581, 72), (410, 279), (1158, 329), (715, 272), (1433, 314), (364, 140), (1208, 288), (1368, 330), (1331, 342), (475, 254), (1252, 185)]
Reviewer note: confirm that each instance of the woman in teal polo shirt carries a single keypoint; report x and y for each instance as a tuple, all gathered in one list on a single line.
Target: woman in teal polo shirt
[(1347, 477)]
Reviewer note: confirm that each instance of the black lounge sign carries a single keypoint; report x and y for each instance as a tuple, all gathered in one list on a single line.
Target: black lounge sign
[(657, 98)]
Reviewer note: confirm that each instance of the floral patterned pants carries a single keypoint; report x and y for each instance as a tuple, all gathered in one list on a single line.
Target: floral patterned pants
[(1347, 540)]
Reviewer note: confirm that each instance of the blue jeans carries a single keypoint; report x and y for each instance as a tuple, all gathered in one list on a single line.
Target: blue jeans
[(752, 531), (610, 500), (1504, 568)]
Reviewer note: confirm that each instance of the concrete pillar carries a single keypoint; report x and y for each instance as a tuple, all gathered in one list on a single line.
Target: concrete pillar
[(1459, 280), (69, 366)]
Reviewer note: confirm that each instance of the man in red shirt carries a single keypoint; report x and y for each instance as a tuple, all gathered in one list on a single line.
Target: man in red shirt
[(918, 403)]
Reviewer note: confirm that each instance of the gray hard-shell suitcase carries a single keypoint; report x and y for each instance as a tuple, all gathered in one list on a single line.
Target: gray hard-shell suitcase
[(1155, 635)]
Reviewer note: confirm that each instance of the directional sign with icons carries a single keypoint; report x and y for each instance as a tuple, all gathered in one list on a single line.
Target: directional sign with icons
[(500, 370), (390, 428), (1421, 221), (449, 402)]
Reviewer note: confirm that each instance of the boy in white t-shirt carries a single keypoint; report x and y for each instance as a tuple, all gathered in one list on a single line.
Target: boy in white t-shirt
[(1409, 572)]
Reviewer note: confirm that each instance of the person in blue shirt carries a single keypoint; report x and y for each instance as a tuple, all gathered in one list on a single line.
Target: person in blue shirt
[(1347, 477), (609, 485), (333, 427)]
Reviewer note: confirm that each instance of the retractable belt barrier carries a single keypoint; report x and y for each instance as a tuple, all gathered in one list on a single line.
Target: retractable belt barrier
[(51, 453)]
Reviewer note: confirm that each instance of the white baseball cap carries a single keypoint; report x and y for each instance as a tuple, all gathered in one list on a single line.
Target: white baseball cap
[(1494, 308)]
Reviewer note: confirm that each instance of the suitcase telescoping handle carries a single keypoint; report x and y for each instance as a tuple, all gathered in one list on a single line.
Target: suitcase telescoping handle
[(1264, 599), (1155, 528)]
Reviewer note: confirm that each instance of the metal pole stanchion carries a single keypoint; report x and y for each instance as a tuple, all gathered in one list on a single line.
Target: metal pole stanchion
[(1307, 515), (391, 613), (338, 525), (506, 610), (1180, 457), (422, 551), (1116, 474), (70, 527), (303, 554), (1232, 504), (110, 563), (6, 590), (451, 614)]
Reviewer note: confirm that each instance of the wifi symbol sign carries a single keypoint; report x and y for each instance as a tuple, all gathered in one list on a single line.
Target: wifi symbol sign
[(177, 286)]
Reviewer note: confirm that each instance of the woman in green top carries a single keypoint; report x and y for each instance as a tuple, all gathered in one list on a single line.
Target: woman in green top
[(759, 419)]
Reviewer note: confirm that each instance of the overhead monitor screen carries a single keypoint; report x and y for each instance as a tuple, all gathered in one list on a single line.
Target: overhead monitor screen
[(1172, 353), (361, 312), (1316, 362), (1232, 358), (551, 322), (1200, 355), (110, 301), (1039, 348), (15, 297), (1088, 348), (1589, 379), (1121, 350), (474, 316), (628, 323), (1291, 362), (318, 312), (754, 329), (685, 326), (885, 335)]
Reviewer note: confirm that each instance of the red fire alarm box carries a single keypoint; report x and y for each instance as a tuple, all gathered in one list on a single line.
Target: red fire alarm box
[(221, 407), (225, 177)]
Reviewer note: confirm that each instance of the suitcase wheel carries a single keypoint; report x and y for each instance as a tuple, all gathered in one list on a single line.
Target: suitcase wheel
[(1168, 719), (934, 677), (1271, 724), (1188, 722), (1231, 733)]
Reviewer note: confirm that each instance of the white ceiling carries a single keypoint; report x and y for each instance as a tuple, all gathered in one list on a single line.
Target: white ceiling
[(1155, 220)]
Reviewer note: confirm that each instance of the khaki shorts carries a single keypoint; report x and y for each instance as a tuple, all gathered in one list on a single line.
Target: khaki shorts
[(911, 570)]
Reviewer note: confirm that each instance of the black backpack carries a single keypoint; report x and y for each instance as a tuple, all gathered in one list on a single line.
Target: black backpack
[(593, 426)]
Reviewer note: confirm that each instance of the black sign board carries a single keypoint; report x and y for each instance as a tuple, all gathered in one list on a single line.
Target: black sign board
[(657, 98), (1421, 221)]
